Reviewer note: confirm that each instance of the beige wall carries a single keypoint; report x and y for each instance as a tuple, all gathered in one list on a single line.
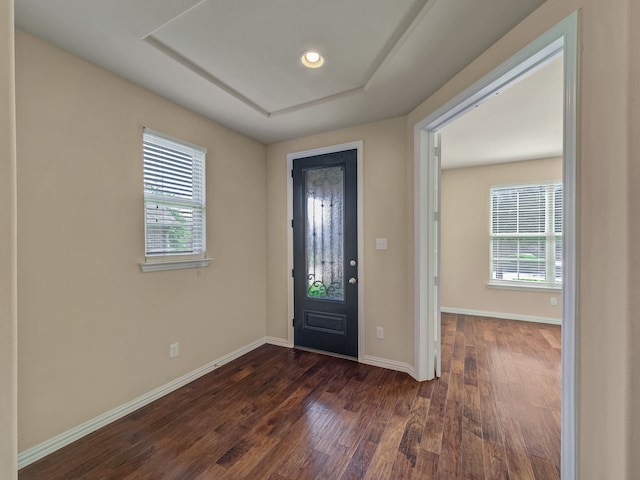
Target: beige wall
[(384, 216), (604, 365), (464, 261), (94, 331), (8, 300), (634, 247)]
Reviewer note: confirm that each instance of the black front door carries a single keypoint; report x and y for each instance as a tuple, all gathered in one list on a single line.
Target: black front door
[(325, 252)]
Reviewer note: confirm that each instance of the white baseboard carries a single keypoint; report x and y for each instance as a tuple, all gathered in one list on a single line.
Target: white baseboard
[(389, 364), (280, 342), (506, 316), (365, 359), (49, 446)]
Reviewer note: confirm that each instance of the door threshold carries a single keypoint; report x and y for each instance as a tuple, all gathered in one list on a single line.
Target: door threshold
[(322, 352)]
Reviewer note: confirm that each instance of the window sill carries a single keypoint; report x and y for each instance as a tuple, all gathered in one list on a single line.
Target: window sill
[(174, 265), (528, 287)]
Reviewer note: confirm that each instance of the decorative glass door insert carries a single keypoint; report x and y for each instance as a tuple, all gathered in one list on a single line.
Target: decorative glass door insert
[(324, 233)]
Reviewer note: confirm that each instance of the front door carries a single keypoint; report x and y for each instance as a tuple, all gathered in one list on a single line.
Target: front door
[(325, 252)]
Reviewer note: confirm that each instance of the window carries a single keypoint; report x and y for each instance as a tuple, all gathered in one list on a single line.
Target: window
[(526, 235), (174, 201)]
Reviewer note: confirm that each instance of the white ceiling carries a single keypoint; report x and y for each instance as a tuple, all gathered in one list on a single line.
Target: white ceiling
[(523, 122), (237, 61)]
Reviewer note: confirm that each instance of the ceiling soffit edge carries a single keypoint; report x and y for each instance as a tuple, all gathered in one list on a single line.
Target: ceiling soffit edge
[(413, 17)]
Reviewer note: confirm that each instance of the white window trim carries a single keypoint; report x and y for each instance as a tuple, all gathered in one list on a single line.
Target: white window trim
[(174, 265), (549, 250), (514, 285), (155, 263)]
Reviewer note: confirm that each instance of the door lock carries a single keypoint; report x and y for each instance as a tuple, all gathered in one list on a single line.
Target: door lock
[(353, 281)]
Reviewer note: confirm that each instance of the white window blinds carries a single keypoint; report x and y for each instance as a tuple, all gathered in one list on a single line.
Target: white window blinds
[(526, 235), (174, 196)]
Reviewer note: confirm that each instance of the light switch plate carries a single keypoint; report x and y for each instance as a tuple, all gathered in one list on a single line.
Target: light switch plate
[(381, 243)]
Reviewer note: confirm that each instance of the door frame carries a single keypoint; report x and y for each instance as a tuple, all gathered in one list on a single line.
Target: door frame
[(358, 146), (562, 37)]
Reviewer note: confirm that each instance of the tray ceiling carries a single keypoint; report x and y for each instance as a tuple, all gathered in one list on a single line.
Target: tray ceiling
[(248, 49), (237, 61)]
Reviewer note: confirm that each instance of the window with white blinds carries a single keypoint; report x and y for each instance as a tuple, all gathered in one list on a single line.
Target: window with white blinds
[(174, 197), (526, 235)]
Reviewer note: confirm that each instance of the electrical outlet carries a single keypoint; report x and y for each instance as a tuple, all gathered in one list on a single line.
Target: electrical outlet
[(381, 243), (174, 350), (379, 332), (553, 301)]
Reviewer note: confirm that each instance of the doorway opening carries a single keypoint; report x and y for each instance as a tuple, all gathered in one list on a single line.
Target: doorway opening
[(561, 39)]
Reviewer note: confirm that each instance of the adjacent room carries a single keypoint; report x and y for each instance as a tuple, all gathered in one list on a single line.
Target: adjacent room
[(501, 258), (211, 218)]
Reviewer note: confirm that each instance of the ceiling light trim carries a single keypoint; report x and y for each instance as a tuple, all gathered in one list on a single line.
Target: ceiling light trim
[(307, 62)]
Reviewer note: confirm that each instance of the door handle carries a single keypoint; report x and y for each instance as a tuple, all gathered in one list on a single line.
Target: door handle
[(353, 281)]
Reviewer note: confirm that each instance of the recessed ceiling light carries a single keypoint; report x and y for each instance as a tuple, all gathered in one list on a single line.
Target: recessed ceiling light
[(311, 59)]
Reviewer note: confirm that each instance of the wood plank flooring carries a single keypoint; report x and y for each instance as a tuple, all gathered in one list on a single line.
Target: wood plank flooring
[(284, 414)]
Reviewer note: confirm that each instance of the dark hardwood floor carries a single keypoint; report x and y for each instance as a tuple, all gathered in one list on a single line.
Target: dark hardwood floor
[(278, 413)]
